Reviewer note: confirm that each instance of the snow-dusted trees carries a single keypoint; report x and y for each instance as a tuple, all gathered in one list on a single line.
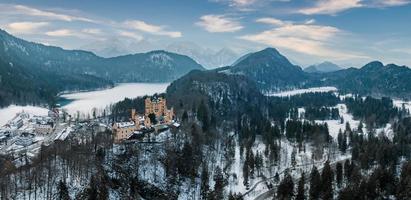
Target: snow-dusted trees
[(301, 188), (62, 193), (404, 186), (315, 184), (326, 182), (218, 192), (339, 175), (205, 187), (285, 189)]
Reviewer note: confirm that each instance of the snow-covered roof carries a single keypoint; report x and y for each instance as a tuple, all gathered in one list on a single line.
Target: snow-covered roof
[(124, 124)]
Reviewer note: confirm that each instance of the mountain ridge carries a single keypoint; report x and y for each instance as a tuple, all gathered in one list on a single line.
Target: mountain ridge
[(323, 67), (55, 69)]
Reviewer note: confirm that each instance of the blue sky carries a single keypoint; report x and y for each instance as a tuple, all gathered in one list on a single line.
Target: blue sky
[(347, 32)]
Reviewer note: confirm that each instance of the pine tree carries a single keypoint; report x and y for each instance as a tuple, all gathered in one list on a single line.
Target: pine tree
[(326, 182), (285, 190), (245, 174), (344, 142), (340, 140), (404, 186), (347, 170), (63, 193), (184, 117), (339, 175), (202, 115), (315, 184), (293, 159), (205, 187), (219, 183), (301, 189)]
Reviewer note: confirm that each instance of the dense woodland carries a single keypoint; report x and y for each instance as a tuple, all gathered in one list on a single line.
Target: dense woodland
[(230, 134), (378, 167)]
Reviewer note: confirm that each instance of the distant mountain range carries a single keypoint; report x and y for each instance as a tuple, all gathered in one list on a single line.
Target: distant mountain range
[(113, 47), (46, 70), (34, 73), (270, 70), (373, 78), (208, 58), (324, 67)]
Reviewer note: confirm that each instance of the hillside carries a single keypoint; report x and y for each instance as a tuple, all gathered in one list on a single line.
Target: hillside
[(374, 78), (227, 95), (32, 73), (269, 69)]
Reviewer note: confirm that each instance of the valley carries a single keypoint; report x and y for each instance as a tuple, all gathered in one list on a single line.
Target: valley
[(157, 125)]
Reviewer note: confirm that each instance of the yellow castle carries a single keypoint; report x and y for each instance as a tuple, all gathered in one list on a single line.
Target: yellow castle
[(156, 106)]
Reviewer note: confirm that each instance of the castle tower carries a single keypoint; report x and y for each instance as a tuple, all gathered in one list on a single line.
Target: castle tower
[(133, 114)]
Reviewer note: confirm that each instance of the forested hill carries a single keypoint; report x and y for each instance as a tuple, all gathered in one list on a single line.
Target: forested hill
[(226, 95), (269, 69), (273, 71), (32, 73), (372, 79)]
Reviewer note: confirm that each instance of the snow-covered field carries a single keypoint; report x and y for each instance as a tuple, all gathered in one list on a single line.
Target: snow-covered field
[(302, 91), (401, 104), (335, 125), (9, 112), (86, 101)]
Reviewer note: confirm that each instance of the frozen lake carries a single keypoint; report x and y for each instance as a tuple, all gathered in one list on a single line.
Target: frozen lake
[(84, 102)]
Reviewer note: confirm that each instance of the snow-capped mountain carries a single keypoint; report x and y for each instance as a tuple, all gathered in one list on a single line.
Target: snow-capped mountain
[(113, 47), (207, 57)]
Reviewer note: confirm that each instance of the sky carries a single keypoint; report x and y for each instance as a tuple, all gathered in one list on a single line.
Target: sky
[(350, 33)]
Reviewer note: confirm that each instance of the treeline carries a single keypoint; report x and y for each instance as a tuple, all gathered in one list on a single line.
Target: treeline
[(279, 108), (323, 113), (347, 178), (374, 112), (301, 131)]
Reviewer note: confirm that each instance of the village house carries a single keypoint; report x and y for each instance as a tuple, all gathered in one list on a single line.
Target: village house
[(123, 130), (43, 128)]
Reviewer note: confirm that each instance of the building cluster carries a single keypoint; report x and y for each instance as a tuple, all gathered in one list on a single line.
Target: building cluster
[(156, 117), (33, 124)]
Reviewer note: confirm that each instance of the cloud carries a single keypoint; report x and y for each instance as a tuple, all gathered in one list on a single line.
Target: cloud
[(310, 39), (62, 33), (219, 24), (25, 27), (25, 10), (131, 35), (390, 3), (242, 2), (92, 31), (331, 7), (149, 28), (272, 21)]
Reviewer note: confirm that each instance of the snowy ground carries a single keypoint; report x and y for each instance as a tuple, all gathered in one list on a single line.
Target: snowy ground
[(335, 125), (302, 91), (402, 103), (86, 101)]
